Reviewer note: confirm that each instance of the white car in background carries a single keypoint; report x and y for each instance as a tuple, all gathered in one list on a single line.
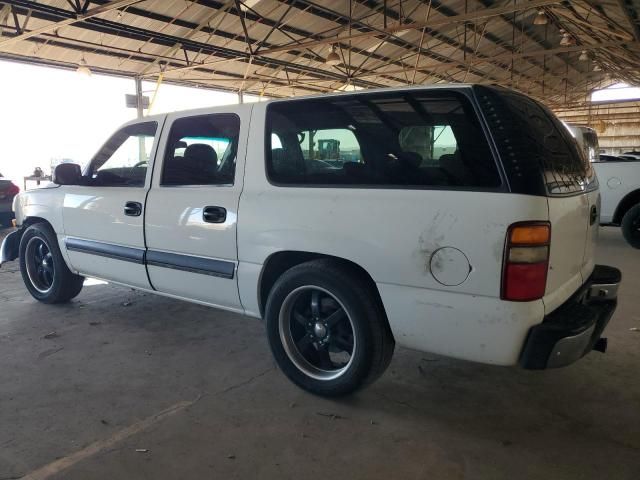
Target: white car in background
[(456, 219), (619, 179), (620, 190)]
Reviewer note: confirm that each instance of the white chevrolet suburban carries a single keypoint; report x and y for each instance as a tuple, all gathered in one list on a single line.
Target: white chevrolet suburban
[(459, 220)]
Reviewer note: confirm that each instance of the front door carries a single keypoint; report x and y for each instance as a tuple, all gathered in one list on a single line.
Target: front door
[(192, 208), (103, 219)]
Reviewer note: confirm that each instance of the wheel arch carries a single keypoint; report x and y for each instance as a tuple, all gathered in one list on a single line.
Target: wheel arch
[(32, 220), (20, 231), (629, 200), (28, 221), (279, 262)]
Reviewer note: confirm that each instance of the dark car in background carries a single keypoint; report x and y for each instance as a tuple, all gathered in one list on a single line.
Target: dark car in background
[(616, 158), (8, 190)]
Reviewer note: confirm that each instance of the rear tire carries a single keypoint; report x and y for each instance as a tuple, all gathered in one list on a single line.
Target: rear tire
[(631, 226), (327, 329), (44, 271)]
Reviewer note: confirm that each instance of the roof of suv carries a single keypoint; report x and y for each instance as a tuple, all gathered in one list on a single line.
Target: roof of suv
[(368, 91), (237, 107)]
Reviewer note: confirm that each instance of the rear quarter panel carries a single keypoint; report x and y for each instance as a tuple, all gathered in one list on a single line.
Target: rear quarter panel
[(393, 234)]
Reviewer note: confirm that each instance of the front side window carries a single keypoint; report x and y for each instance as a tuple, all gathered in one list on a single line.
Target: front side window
[(202, 150), (420, 139), (124, 159)]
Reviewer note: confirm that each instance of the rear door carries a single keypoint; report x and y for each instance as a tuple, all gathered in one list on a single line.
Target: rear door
[(103, 219), (192, 207), (574, 209), (571, 254), (541, 158)]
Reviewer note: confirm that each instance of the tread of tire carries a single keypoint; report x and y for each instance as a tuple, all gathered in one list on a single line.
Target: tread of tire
[(626, 226)]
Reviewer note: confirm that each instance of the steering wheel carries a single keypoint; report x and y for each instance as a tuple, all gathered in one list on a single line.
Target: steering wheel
[(140, 163)]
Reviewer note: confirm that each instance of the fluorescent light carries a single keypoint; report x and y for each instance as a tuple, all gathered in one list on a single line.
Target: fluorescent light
[(541, 18), (567, 40), (333, 58), (83, 69)]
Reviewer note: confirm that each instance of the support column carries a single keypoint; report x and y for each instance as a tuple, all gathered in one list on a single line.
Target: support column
[(139, 105), (142, 154)]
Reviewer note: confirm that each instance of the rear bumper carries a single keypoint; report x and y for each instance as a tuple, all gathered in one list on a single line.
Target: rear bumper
[(573, 329)]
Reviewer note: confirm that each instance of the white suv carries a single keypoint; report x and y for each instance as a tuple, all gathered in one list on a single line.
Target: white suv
[(457, 219)]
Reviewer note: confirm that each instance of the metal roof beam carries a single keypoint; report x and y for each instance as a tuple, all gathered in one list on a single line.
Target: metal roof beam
[(78, 17), (332, 15), (250, 14), (631, 16), (47, 12), (465, 17)]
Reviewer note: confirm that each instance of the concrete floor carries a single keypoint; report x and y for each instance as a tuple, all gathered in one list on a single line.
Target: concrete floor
[(119, 384)]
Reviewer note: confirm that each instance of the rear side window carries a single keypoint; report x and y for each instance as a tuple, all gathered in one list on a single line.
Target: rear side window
[(538, 152), (201, 150), (404, 139)]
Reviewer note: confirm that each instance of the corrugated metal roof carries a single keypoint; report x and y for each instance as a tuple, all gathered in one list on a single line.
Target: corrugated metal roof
[(279, 48)]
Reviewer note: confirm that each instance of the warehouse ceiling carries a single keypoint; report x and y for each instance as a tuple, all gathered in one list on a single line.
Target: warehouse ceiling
[(556, 51)]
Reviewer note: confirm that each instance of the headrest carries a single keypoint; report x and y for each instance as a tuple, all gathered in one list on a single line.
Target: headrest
[(202, 154), (410, 158)]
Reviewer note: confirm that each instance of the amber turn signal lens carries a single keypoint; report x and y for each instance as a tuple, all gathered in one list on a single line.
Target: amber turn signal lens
[(530, 235)]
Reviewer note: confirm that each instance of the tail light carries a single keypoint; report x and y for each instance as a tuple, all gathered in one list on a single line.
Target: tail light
[(12, 190), (526, 261)]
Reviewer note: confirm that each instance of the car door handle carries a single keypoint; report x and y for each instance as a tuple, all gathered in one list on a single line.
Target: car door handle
[(214, 214), (133, 209)]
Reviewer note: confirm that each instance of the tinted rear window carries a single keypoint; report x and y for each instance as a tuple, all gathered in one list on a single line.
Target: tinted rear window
[(538, 153), (404, 139)]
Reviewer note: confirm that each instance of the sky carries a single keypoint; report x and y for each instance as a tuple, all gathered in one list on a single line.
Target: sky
[(47, 114), (618, 91)]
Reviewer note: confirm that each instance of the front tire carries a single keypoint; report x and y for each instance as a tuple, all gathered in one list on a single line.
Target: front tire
[(631, 226), (44, 271), (327, 329)]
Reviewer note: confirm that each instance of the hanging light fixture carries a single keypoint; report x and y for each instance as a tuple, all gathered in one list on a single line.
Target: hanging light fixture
[(584, 56), (597, 68), (83, 69), (333, 58), (541, 18), (567, 40)]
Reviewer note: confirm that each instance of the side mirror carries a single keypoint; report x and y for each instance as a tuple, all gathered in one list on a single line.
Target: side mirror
[(67, 174)]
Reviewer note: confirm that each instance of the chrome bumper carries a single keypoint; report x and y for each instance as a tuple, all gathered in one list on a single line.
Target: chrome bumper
[(569, 349), (575, 328), (10, 248)]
